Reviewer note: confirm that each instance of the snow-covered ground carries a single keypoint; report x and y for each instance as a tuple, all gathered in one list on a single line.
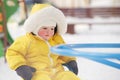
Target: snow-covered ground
[(6, 73)]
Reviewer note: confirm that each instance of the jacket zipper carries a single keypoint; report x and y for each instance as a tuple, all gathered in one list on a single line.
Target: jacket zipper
[(51, 60)]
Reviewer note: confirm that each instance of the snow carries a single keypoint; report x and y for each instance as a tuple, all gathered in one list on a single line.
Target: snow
[(6, 73)]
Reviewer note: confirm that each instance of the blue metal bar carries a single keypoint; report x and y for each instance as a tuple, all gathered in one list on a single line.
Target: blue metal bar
[(106, 62), (94, 45), (67, 50)]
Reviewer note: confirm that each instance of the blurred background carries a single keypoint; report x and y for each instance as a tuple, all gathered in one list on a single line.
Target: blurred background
[(89, 21)]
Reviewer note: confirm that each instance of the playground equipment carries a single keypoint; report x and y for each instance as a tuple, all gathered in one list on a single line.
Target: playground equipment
[(7, 8), (101, 57)]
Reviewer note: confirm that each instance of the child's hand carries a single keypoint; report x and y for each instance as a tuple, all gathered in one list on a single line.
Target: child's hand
[(72, 66), (26, 72)]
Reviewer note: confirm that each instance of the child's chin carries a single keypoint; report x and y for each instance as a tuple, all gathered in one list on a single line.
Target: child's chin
[(47, 38)]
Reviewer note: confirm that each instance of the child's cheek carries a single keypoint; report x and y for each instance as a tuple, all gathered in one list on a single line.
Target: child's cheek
[(41, 33), (52, 33)]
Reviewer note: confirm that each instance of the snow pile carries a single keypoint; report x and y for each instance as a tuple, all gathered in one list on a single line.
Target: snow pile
[(6, 73)]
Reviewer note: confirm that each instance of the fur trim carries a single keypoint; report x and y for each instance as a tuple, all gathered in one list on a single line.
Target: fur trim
[(48, 16)]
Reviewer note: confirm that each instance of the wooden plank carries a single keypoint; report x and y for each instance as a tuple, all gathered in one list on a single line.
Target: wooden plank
[(91, 12)]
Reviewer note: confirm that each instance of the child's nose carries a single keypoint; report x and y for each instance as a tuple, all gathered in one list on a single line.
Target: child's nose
[(48, 31)]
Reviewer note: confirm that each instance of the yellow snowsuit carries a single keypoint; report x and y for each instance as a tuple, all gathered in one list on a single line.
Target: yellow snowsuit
[(32, 51)]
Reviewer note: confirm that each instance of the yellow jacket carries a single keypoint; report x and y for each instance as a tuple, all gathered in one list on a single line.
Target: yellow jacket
[(32, 51)]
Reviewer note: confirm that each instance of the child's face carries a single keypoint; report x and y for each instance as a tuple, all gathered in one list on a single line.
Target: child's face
[(46, 32)]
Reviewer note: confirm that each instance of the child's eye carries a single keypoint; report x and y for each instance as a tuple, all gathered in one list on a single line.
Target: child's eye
[(52, 28), (44, 28)]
